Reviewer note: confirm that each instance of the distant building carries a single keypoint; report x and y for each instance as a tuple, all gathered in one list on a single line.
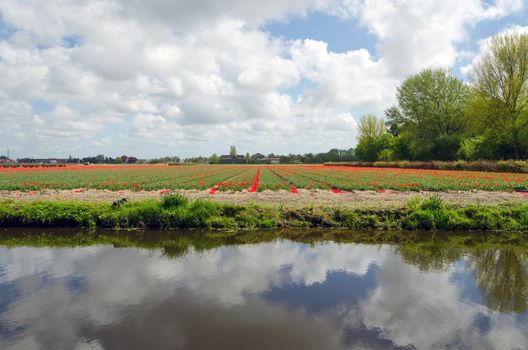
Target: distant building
[(6, 160), (228, 159), (272, 160), (268, 160), (129, 160), (51, 161), (58, 161), (259, 158)]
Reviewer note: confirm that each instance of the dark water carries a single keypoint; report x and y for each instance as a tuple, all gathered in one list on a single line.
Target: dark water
[(277, 294)]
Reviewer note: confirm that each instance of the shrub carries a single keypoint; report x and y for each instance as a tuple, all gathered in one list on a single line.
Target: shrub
[(433, 203), (140, 214), (231, 210), (268, 223), (178, 217), (420, 219), (386, 155), (220, 222), (469, 148), (199, 211), (346, 218), (510, 166), (174, 201), (429, 214)]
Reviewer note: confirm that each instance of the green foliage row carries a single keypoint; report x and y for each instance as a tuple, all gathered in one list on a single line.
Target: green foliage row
[(176, 211), (26, 165), (507, 166)]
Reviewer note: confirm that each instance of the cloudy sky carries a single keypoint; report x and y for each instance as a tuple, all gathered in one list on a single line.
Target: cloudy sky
[(177, 77)]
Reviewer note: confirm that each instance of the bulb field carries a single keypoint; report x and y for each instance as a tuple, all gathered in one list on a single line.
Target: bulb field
[(253, 178)]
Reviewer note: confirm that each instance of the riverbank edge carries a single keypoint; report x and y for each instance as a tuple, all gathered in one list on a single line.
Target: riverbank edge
[(177, 211)]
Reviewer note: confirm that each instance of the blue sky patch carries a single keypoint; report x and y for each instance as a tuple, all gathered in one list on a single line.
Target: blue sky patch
[(72, 41), (297, 90), (341, 35), (76, 284), (469, 290), (42, 106), (6, 30)]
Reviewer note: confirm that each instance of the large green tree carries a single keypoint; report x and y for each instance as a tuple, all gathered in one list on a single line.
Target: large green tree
[(499, 100), (373, 138), (430, 114)]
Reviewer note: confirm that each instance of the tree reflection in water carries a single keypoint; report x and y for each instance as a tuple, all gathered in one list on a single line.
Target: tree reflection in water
[(500, 273), (434, 257), (502, 276)]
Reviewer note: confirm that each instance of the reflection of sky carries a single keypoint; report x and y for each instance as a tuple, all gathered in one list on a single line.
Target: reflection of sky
[(338, 288), (466, 285), (272, 295)]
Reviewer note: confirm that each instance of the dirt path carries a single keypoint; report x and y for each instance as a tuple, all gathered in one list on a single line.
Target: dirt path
[(304, 197)]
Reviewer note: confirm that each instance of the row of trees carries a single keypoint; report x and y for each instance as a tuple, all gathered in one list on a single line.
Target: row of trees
[(98, 159), (101, 159), (334, 155), (439, 117)]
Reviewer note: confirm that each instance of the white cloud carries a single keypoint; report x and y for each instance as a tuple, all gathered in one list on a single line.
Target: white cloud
[(207, 72), (344, 80), (419, 34)]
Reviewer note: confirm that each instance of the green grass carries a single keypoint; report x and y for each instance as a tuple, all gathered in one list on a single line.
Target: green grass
[(176, 211)]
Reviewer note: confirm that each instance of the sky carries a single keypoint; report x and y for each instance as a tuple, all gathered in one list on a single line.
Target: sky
[(186, 78)]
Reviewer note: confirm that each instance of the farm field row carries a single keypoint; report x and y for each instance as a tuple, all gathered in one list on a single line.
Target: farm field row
[(254, 178)]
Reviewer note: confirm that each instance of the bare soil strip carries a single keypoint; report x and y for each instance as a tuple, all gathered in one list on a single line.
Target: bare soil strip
[(361, 199)]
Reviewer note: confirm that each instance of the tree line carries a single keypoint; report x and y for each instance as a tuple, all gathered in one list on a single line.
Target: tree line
[(334, 155), (439, 117)]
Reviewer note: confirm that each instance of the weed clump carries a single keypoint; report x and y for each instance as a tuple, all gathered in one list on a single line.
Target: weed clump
[(429, 214), (174, 201)]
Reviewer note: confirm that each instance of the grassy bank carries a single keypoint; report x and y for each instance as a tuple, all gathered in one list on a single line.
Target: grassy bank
[(176, 211)]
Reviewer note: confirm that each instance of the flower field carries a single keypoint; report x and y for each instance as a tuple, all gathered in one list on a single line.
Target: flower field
[(253, 178)]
